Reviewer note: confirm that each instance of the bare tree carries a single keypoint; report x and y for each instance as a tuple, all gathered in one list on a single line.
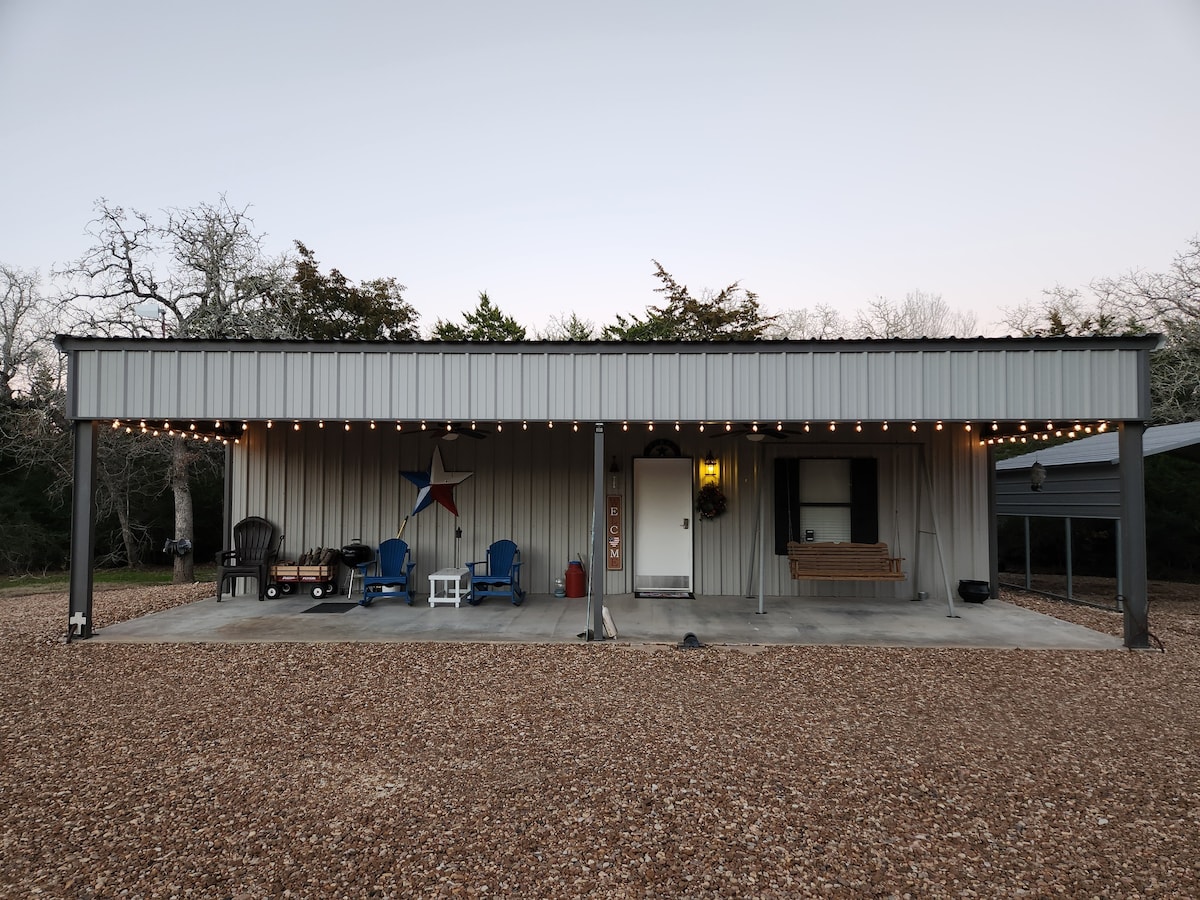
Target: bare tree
[(568, 328), (819, 323), (918, 315), (201, 274), (1065, 311), (26, 322)]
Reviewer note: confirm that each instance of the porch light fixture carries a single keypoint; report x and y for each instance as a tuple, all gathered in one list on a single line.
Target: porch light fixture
[(711, 468)]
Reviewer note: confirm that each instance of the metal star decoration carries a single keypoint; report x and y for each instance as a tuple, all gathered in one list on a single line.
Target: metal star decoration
[(436, 484)]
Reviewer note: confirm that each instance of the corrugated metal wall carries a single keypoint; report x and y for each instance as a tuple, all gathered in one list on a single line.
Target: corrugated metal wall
[(1088, 491), (325, 487), (977, 380)]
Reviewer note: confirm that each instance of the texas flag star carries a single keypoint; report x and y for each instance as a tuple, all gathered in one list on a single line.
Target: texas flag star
[(436, 484)]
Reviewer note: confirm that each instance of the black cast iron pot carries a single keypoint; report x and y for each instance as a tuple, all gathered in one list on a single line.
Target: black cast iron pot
[(974, 591)]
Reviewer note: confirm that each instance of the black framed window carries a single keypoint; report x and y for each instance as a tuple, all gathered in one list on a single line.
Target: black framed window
[(826, 500)]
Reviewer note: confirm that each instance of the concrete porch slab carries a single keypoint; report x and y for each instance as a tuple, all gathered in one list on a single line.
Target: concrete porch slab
[(547, 619)]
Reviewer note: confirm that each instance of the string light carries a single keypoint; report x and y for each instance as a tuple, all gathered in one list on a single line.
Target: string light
[(858, 427), (321, 423), (399, 427), (938, 426), (701, 427), (833, 426), (372, 424), (347, 425), (295, 426), (676, 426), (914, 427), (807, 429), (499, 427)]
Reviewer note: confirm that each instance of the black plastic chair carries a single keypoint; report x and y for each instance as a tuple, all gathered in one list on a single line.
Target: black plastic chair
[(255, 549)]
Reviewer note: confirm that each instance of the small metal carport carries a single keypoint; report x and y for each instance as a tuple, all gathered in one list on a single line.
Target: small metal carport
[(1083, 479)]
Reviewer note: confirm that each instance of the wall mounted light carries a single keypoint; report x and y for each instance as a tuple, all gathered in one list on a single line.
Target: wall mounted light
[(614, 475), (711, 469)]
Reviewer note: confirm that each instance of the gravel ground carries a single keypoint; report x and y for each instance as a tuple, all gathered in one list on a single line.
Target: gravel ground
[(477, 770)]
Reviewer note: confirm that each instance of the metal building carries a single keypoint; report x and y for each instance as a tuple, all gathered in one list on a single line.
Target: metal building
[(571, 445)]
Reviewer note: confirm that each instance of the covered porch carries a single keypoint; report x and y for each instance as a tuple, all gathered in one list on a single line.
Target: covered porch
[(864, 441)]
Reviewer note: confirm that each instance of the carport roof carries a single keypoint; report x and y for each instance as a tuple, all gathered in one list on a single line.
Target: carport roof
[(1102, 448)]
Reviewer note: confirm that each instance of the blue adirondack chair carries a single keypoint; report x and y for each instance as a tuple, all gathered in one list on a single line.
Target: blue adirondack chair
[(502, 576), (393, 569)]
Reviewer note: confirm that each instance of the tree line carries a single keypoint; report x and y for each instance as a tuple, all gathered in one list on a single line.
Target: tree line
[(203, 272)]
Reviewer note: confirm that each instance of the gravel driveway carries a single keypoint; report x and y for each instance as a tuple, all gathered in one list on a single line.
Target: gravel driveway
[(477, 770)]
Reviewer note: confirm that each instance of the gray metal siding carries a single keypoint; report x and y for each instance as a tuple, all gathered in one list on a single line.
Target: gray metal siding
[(286, 381), (1077, 492), (325, 487)]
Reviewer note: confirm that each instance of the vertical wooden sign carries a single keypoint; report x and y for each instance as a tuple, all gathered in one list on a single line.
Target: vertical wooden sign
[(613, 537)]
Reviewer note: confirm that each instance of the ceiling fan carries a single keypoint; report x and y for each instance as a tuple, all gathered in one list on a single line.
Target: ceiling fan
[(451, 431), (751, 432)]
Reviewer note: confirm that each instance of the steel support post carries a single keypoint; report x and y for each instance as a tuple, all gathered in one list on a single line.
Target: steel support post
[(599, 558), (1133, 534), (993, 525), (83, 529)]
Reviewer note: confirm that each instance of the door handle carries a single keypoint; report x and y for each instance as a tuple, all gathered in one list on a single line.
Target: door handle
[(685, 524)]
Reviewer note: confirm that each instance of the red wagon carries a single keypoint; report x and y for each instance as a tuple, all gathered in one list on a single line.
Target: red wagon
[(284, 579)]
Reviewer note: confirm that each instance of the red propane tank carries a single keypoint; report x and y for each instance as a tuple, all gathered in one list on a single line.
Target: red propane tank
[(576, 580)]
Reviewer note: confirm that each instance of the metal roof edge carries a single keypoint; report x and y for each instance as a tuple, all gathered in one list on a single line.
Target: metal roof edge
[(1149, 342)]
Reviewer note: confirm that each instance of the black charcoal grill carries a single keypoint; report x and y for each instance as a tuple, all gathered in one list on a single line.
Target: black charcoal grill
[(355, 555)]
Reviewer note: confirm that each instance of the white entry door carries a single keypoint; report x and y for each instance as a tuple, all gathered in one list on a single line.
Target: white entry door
[(662, 524)]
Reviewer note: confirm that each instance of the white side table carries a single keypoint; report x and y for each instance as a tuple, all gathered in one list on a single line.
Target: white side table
[(449, 586)]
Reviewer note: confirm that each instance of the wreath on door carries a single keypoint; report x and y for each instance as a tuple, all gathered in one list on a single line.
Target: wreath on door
[(710, 502)]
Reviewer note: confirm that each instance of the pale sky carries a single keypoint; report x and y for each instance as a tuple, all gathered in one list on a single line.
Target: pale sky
[(817, 152)]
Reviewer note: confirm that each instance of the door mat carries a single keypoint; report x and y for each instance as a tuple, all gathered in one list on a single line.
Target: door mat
[(331, 607), (666, 595)]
